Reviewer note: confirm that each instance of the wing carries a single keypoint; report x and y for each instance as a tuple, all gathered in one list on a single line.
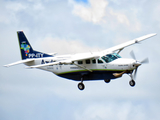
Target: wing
[(123, 45), (19, 62)]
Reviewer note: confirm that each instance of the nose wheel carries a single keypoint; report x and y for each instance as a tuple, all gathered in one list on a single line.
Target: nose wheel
[(132, 83)]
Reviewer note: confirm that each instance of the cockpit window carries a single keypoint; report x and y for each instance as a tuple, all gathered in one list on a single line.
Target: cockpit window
[(110, 57), (117, 55)]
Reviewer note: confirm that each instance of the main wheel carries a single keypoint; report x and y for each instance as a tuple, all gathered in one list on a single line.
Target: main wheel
[(107, 80), (81, 86), (132, 83)]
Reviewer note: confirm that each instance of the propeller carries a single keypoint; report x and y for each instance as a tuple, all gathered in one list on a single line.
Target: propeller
[(132, 55), (145, 61), (138, 63)]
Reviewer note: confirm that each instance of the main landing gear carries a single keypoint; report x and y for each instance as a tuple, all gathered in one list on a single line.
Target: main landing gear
[(81, 85)]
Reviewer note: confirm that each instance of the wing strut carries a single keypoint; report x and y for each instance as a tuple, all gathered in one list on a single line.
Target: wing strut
[(120, 50)]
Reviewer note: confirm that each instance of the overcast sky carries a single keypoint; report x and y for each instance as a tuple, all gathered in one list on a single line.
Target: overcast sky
[(72, 26)]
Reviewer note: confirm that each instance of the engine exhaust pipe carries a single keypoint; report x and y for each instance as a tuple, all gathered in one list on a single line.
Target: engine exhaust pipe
[(117, 75)]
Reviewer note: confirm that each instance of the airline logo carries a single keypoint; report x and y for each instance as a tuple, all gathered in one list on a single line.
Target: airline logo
[(26, 48)]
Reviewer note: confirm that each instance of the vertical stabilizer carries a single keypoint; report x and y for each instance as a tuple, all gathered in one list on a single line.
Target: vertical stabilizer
[(27, 50), (25, 47)]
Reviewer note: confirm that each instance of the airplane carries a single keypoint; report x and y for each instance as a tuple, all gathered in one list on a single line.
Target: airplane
[(104, 65)]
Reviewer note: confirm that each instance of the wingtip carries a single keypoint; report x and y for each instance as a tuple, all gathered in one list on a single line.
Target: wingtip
[(6, 66), (153, 34)]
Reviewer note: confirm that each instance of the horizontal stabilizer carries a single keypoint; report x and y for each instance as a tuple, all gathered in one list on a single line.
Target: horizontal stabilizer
[(52, 54), (19, 62)]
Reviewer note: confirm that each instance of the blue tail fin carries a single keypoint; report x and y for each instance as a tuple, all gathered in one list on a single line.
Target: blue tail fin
[(27, 50)]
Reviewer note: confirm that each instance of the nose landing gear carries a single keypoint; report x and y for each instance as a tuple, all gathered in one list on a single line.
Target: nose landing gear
[(131, 82)]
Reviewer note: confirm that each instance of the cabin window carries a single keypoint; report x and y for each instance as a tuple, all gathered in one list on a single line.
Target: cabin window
[(80, 62), (100, 61), (88, 61), (94, 61)]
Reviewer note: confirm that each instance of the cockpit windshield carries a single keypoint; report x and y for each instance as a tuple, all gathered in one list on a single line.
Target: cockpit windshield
[(110, 57), (117, 55)]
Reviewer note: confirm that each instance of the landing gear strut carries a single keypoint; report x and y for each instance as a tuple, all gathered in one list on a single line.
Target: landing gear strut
[(81, 85)]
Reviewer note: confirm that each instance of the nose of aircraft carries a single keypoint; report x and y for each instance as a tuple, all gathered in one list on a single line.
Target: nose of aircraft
[(136, 64)]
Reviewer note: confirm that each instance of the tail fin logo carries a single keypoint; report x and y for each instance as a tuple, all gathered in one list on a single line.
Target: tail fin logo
[(26, 48)]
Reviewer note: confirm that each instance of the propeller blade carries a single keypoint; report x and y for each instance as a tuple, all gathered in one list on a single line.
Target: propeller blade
[(132, 55), (146, 60)]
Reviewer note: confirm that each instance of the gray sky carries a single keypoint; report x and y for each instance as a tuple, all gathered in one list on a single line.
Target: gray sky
[(78, 26)]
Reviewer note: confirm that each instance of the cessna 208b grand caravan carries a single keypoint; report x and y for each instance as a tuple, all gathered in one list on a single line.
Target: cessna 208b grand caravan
[(104, 65)]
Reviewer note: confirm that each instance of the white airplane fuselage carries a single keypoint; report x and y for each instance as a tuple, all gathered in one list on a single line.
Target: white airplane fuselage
[(92, 70)]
